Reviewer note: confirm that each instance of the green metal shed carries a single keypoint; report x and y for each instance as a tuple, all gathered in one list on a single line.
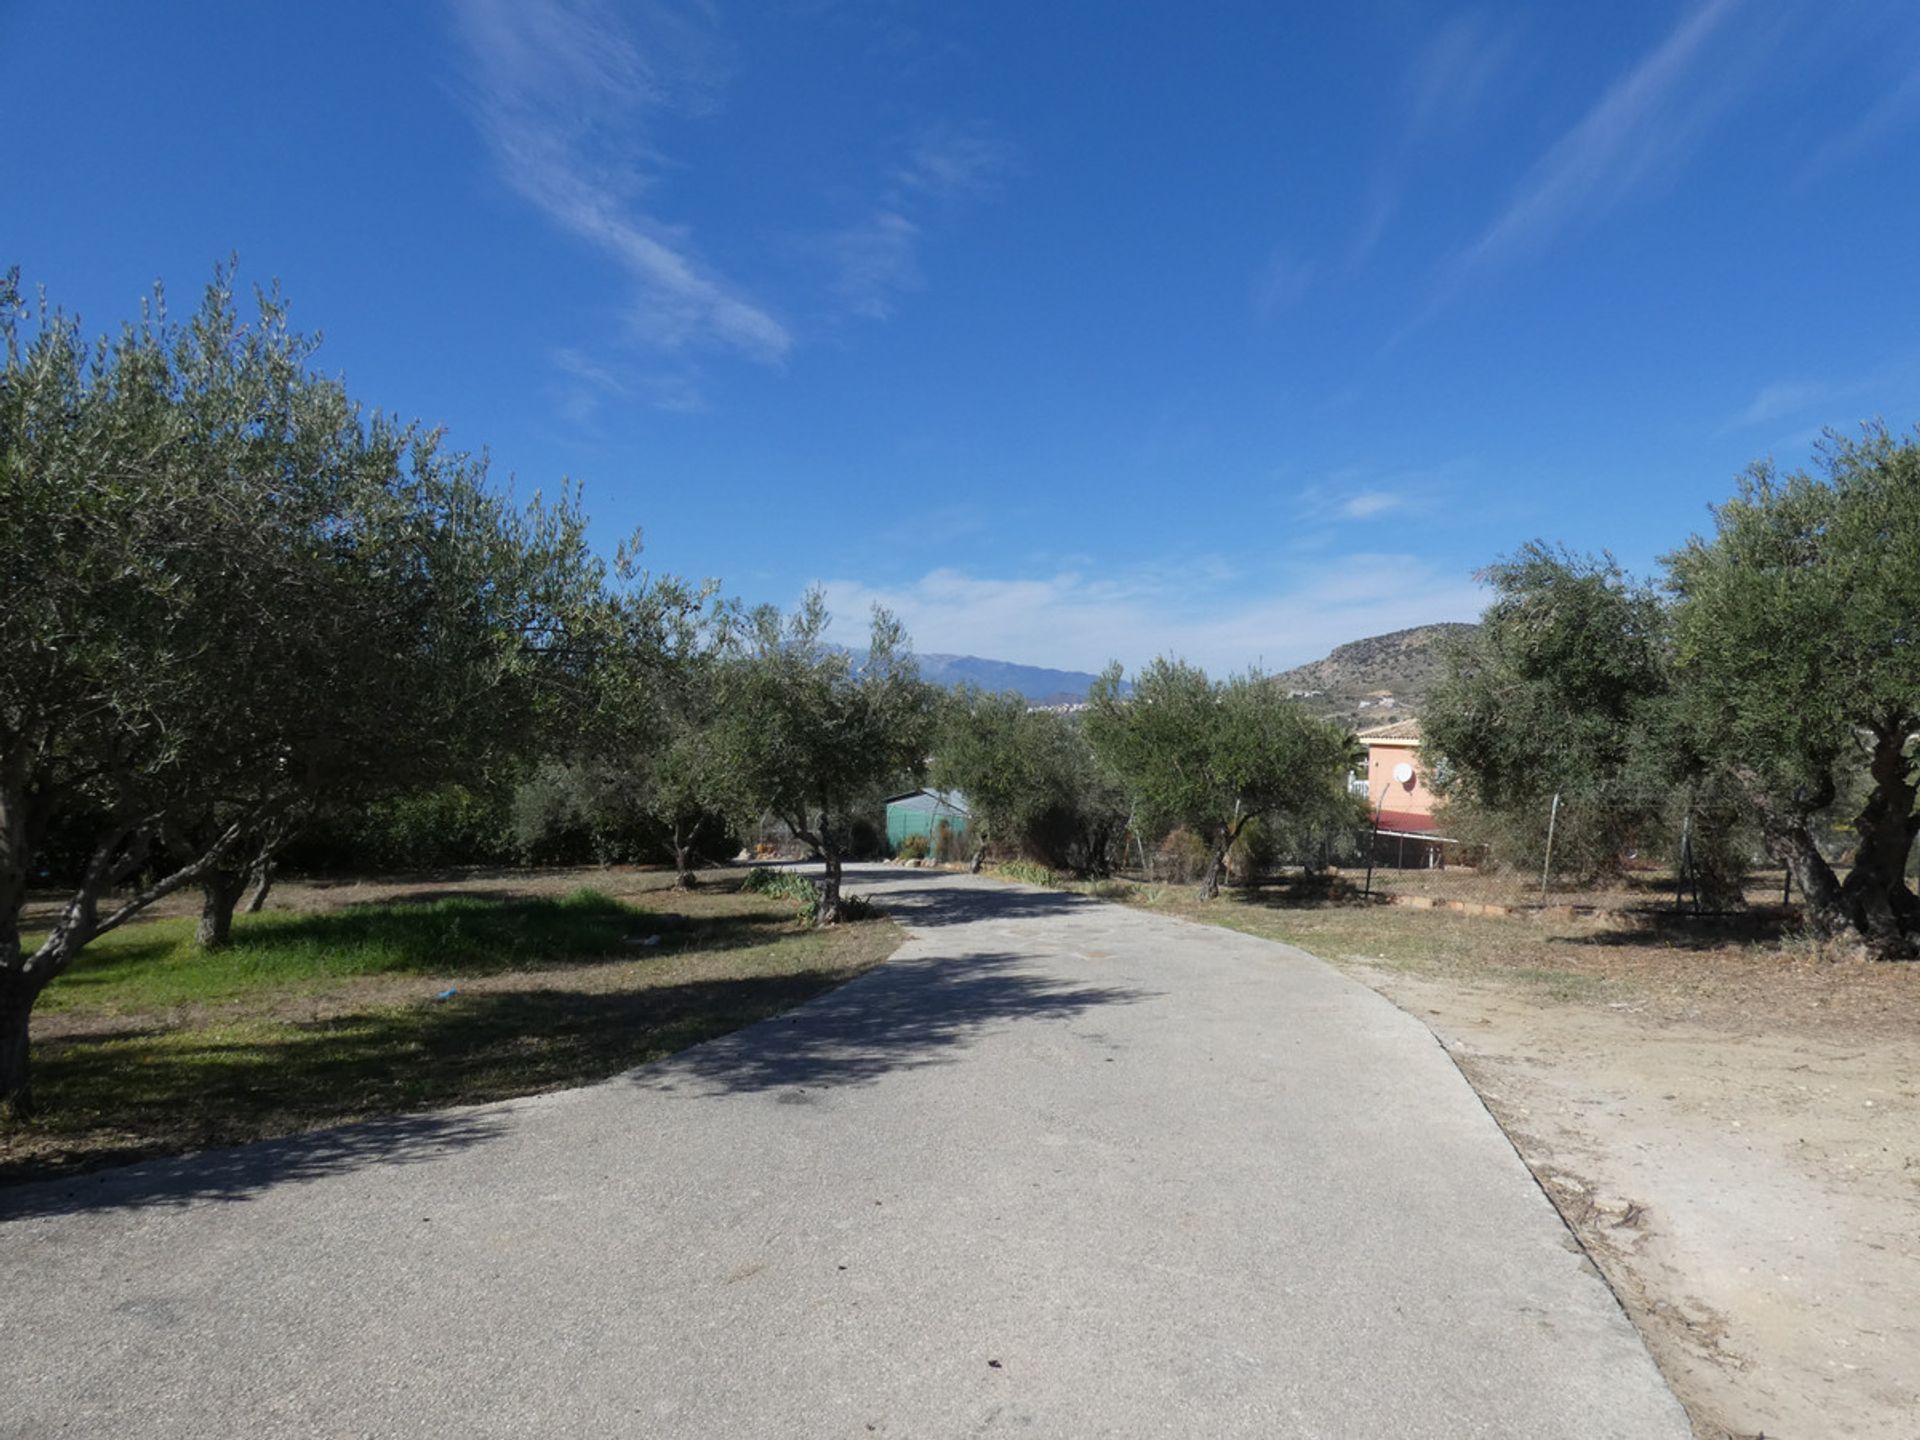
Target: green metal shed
[(919, 812)]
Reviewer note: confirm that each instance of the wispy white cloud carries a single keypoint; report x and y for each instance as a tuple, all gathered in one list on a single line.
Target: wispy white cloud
[(1640, 130), (1455, 70), (1282, 285), (1366, 492), (1369, 503), (1896, 108), (566, 95), (1080, 620), (1782, 398), (950, 162), (1383, 200), (875, 262)]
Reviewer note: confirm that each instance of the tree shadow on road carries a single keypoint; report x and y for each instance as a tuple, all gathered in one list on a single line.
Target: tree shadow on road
[(122, 1096), (238, 1173), (930, 900), (908, 1014)]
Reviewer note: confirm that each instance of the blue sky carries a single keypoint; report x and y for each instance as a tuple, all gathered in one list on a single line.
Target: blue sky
[(1072, 332)]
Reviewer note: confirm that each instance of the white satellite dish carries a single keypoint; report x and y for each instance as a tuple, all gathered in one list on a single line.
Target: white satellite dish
[(1403, 772)]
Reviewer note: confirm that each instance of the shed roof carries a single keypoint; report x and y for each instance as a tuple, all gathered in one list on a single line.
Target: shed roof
[(931, 800), (1401, 732)]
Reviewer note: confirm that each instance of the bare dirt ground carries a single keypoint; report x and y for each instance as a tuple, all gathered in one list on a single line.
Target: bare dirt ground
[(1730, 1125)]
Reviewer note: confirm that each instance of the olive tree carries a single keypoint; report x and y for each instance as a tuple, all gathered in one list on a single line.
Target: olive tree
[(1211, 755), (643, 738), (813, 735), (1797, 629), (1031, 781), (1564, 688), (228, 596)]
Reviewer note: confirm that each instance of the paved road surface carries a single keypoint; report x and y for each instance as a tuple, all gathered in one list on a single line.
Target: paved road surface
[(1058, 1169)]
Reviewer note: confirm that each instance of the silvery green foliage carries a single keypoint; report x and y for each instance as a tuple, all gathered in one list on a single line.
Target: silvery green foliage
[(1210, 755)]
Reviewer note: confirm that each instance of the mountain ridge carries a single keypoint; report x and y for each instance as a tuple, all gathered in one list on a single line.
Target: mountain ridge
[(1374, 680), (1378, 679)]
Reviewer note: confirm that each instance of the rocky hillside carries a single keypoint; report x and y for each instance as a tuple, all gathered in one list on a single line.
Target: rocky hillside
[(1373, 681)]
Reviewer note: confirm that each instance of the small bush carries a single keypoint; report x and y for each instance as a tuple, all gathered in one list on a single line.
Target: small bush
[(948, 843), (805, 893), (1182, 858), (913, 847), (1254, 853), (1028, 873), (785, 885)]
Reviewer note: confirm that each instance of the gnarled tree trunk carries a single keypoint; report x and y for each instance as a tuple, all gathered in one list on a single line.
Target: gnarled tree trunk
[(220, 891), (261, 878), (829, 909), (18, 991), (683, 876), (1875, 892), (1791, 843)]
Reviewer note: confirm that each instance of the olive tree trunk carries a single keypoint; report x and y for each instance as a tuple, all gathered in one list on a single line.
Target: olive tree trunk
[(1875, 894), (261, 879), (683, 857), (1223, 840), (829, 910), (18, 991), (220, 891)]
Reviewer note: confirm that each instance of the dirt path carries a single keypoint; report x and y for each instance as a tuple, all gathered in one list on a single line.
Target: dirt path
[(1752, 1190)]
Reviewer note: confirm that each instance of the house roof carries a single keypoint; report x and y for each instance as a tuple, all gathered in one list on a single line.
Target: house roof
[(1401, 732)]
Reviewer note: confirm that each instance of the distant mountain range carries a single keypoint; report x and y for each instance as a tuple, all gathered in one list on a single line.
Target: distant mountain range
[(1362, 683), (1038, 684)]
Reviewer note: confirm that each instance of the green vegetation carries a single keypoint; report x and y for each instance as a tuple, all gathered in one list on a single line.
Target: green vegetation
[(158, 964), (1027, 873), (1032, 782), (234, 599), (240, 608), (1211, 756), (815, 736), (154, 1045), (1772, 693)]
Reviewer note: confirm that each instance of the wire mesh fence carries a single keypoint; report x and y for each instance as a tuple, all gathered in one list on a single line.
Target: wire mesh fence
[(1645, 849), (1678, 849)]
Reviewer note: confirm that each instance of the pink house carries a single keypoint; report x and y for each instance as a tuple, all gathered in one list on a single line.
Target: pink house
[(1398, 786)]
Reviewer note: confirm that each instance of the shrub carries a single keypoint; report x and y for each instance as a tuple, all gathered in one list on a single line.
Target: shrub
[(1182, 857), (1028, 873), (1254, 853), (805, 892), (947, 842), (913, 847)]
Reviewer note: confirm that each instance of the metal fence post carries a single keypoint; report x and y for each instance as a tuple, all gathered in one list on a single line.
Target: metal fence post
[(1546, 867), (1685, 868), (1373, 841)]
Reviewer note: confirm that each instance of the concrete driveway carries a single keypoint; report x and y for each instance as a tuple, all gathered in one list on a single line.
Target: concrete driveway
[(1057, 1169)]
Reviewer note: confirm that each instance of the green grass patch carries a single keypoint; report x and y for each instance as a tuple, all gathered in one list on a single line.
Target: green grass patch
[(156, 965)]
